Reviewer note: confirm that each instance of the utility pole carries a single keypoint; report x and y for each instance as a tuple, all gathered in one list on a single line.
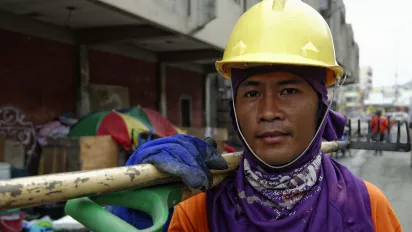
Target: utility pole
[(396, 69), (396, 85)]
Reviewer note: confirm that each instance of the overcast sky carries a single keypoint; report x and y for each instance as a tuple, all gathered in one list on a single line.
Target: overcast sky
[(383, 31)]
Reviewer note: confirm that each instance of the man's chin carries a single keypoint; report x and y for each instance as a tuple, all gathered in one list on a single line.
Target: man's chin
[(275, 157)]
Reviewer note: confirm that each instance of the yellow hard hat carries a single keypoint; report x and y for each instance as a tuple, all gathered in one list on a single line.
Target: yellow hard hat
[(281, 32)]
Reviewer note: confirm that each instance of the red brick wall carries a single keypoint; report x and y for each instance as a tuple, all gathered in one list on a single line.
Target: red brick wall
[(139, 76), (182, 82), (37, 75)]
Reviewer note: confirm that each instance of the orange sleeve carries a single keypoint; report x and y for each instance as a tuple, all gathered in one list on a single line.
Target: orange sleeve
[(384, 218), (385, 122), (374, 125), (190, 215), (373, 122)]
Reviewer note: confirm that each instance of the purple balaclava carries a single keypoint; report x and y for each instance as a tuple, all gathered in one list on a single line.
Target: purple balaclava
[(312, 193)]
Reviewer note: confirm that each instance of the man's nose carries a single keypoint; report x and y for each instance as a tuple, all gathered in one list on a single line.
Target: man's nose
[(269, 109)]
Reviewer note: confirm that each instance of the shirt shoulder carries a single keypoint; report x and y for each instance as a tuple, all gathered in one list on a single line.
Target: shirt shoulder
[(190, 215), (384, 218)]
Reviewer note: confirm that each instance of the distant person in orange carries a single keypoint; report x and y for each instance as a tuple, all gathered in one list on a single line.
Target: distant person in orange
[(383, 127), (228, 148)]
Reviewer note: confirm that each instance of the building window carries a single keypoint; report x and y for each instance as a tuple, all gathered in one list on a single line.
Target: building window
[(352, 88), (351, 99), (324, 4), (185, 111)]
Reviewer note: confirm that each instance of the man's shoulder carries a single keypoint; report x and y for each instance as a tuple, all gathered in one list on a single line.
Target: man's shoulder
[(383, 216), (198, 200), (375, 192), (190, 215), (377, 197)]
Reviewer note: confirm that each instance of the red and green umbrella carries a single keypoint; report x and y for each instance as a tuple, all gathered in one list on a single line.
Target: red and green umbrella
[(153, 119), (125, 126), (124, 129)]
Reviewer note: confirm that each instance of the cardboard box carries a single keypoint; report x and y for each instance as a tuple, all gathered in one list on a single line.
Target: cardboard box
[(66, 154), (12, 152), (97, 152), (53, 160)]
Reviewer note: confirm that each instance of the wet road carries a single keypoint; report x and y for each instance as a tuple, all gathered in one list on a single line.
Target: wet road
[(392, 173)]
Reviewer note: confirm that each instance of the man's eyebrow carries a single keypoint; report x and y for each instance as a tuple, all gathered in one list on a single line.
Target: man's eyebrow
[(290, 81), (250, 83)]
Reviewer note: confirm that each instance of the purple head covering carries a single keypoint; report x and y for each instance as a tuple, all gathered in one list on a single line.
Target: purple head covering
[(312, 193)]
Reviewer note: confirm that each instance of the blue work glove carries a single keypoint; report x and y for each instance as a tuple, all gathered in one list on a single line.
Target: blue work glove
[(180, 155)]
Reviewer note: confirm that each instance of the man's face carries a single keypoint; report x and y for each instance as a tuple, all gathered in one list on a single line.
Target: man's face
[(277, 114)]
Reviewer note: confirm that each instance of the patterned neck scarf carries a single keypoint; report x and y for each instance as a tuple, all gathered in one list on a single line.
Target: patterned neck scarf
[(283, 192)]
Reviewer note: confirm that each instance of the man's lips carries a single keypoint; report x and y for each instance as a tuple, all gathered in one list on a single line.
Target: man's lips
[(272, 137)]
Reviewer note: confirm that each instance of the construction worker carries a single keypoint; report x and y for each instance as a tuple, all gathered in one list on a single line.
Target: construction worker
[(379, 123), (280, 59)]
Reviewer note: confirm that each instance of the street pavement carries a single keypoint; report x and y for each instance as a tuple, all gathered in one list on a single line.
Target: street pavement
[(392, 173)]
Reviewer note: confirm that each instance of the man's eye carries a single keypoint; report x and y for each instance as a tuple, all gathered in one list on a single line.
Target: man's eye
[(252, 94), (288, 91)]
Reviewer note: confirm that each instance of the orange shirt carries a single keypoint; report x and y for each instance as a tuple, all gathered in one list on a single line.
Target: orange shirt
[(383, 127), (190, 215)]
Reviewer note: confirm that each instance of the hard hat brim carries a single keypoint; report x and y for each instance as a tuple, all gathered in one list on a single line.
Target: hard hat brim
[(262, 59)]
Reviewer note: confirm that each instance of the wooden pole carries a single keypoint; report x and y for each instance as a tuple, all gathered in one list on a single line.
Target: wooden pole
[(38, 190)]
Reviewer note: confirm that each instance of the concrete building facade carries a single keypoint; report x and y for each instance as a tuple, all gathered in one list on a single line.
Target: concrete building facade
[(54, 54), (365, 82), (161, 53), (347, 52)]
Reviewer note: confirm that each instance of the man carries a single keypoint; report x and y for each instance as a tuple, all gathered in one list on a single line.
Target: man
[(280, 59), (379, 126)]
